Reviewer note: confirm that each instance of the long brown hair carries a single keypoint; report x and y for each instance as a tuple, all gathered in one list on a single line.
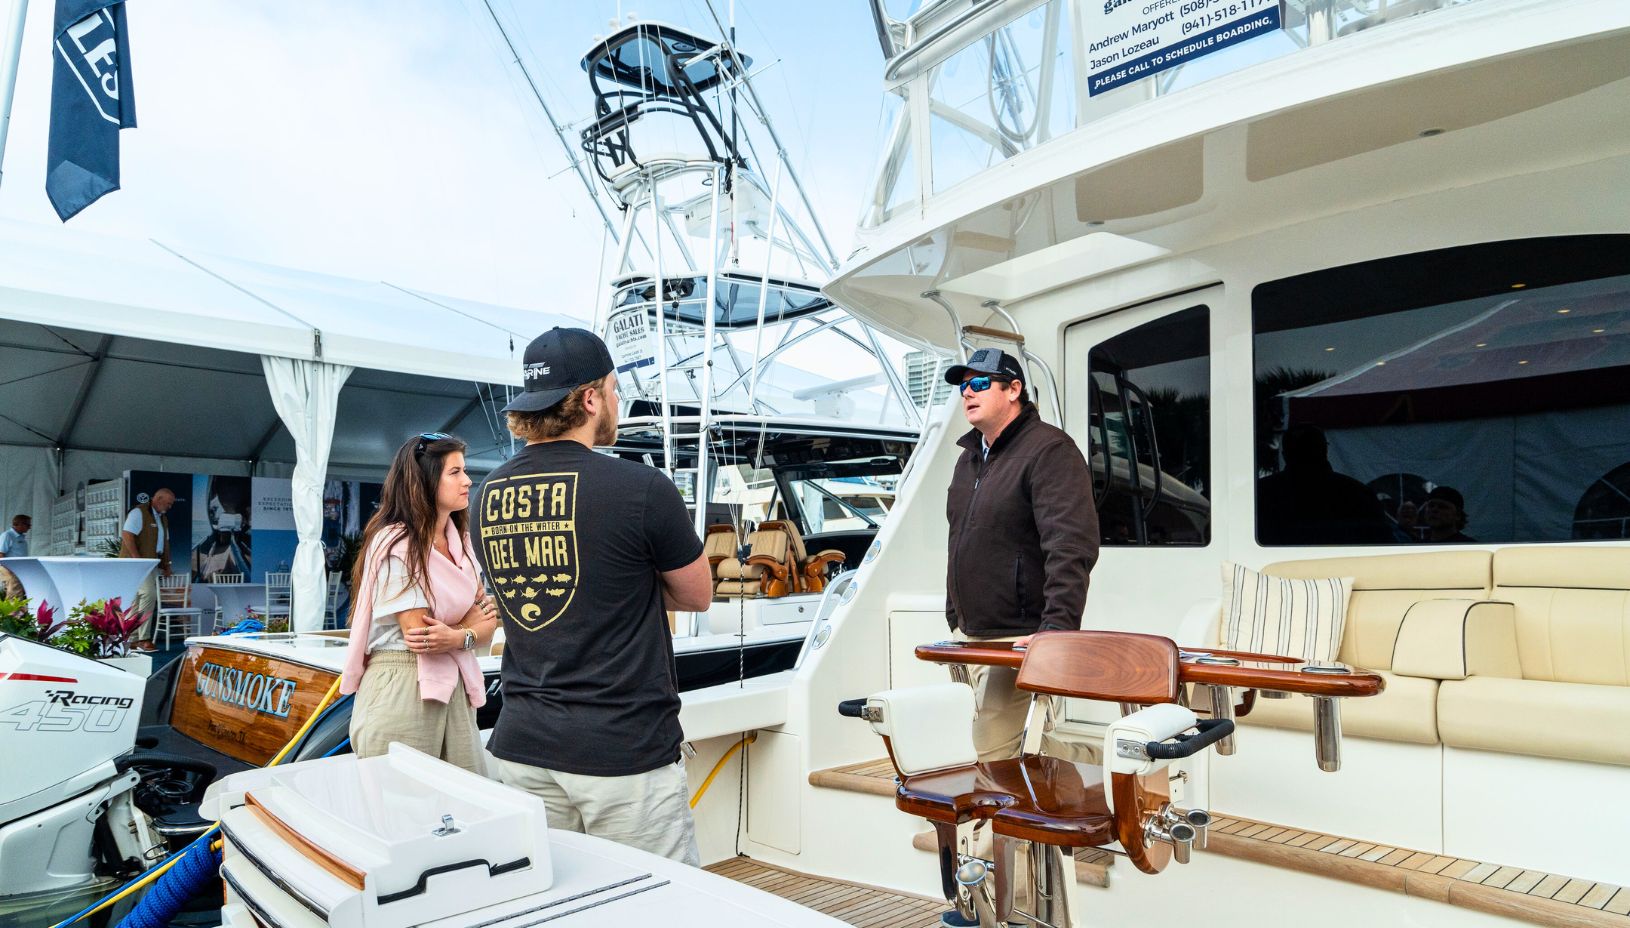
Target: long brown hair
[(409, 500)]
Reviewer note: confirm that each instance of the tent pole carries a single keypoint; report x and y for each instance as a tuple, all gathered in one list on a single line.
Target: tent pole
[(8, 72)]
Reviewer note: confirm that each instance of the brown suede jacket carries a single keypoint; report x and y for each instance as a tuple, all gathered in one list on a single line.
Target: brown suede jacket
[(1023, 532)]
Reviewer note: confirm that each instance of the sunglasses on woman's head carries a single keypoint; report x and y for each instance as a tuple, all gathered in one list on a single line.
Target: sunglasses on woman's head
[(981, 384), (426, 438)]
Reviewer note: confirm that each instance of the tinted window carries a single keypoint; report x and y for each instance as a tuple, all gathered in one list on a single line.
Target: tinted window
[(1149, 414), (1475, 394)]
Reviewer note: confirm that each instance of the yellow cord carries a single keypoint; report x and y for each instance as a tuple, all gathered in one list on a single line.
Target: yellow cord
[(310, 721), (751, 737), (159, 871)]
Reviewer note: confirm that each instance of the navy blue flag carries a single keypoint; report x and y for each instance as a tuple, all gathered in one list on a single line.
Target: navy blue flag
[(90, 102)]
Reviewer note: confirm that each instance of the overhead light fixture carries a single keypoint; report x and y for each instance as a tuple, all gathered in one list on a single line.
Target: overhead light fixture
[(1331, 348), (1522, 362), (1598, 331), (1564, 310), (1428, 133), (1518, 286), (1482, 344), (1380, 364)]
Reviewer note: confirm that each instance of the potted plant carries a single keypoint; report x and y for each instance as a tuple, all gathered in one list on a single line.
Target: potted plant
[(105, 628), (16, 620)]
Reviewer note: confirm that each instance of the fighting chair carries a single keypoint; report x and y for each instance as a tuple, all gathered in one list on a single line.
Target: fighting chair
[(1055, 805), (808, 571)]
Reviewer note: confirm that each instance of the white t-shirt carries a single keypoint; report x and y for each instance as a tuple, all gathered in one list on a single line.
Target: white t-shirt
[(13, 544), (133, 526), (393, 593)]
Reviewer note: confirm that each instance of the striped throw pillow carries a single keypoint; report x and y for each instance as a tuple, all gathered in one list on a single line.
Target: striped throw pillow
[(1274, 615)]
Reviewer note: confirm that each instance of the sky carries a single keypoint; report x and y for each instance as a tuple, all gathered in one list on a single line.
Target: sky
[(398, 141)]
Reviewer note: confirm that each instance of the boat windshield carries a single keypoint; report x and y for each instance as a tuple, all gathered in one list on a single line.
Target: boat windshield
[(997, 79)]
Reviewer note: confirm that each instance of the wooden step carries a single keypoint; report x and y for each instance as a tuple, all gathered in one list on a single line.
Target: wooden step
[(876, 778), (1530, 895), (856, 903)]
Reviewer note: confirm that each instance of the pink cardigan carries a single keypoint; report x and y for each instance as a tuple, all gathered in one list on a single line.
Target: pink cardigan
[(455, 583)]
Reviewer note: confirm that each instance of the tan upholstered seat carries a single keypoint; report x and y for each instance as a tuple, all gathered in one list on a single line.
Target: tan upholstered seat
[(1569, 694), (767, 570), (1525, 650), (808, 570), (721, 544), (1385, 587)]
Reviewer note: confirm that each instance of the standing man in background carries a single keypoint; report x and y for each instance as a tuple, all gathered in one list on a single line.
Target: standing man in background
[(14, 543), (146, 533), (582, 550), (1023, 535)]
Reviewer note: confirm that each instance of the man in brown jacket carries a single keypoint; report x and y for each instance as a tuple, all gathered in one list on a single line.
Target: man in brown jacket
[(146, 533), (1023, 534)]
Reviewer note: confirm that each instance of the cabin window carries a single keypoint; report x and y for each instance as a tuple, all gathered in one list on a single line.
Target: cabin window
[(1149, 415), (1478, 394)]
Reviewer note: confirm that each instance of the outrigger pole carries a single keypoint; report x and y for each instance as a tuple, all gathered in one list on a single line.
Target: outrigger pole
[(8, 71), (571, 156)]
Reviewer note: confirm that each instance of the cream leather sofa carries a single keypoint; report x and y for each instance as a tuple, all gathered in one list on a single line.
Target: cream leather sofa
[(1522, 650)]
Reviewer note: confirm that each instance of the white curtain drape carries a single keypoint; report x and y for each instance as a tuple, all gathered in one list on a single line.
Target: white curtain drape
[(306, 395)]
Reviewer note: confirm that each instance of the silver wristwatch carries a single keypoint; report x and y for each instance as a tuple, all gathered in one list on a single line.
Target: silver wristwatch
[(469, 640)]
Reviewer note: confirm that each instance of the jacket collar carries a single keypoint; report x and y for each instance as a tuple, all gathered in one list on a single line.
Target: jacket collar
[(1026, 416)]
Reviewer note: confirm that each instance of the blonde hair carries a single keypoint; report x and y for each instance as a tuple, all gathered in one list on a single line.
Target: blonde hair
[(549, 424)]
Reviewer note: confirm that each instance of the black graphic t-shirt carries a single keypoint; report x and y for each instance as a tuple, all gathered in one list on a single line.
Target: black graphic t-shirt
[(574, 542)]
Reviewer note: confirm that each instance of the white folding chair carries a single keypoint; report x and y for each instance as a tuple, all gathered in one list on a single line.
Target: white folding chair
[(279, 598), (331, 604), (220, 614), (175, 608)]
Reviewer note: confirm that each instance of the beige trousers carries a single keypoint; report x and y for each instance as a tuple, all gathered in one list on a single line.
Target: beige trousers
[(388, 708), (147, 601), (1001, 710), (649, 811)]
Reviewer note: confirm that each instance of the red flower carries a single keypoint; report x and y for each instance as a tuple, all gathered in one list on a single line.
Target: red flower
[(45, 617)]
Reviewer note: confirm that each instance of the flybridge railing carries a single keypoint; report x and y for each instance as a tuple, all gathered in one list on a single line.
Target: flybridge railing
[(991, 82)]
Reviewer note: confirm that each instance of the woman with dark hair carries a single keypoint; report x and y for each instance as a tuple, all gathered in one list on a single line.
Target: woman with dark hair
[(419, 612)]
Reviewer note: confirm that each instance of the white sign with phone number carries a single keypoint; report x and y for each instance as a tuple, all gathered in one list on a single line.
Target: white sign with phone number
[(1133, 39)]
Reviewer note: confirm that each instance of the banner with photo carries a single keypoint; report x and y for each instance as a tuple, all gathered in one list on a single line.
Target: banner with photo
[(272, 504), (222, 523)]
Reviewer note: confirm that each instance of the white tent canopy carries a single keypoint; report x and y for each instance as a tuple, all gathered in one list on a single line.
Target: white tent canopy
[(130, 354)]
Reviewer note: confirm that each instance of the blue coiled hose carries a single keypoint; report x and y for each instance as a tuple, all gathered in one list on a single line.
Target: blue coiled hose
[(198, 866)]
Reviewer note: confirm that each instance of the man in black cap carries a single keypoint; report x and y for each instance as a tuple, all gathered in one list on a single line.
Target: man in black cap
[(1023, 534), (1444, 515), (582, 549)]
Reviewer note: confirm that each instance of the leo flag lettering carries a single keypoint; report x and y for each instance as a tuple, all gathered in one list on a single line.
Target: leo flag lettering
[(90, 102)]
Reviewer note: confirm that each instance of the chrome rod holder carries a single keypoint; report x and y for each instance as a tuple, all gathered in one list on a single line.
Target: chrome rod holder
[(1327, 732), (1222, 707)]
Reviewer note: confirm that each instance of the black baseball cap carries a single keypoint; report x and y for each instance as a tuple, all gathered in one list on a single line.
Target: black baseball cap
[(1449, 495), (556, 363), (993, 361)]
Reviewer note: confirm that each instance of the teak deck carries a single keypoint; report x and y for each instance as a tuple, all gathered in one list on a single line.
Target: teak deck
[(1531, 895), (861, 906)]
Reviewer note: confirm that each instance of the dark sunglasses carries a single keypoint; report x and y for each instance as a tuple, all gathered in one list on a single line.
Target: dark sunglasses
[(426, 438), (981, 384)]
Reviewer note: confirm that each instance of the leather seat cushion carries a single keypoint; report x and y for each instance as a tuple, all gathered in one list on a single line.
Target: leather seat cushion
[(1571, 721), (1058, 796), (1405, 711)]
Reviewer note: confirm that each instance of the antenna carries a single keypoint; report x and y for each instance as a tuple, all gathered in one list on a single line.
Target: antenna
[(577, 164)]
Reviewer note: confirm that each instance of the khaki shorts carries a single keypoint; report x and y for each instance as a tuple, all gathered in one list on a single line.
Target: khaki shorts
[(649, 811), (388, 708)]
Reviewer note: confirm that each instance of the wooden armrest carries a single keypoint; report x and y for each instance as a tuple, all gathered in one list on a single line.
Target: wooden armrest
[(773, 565)]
